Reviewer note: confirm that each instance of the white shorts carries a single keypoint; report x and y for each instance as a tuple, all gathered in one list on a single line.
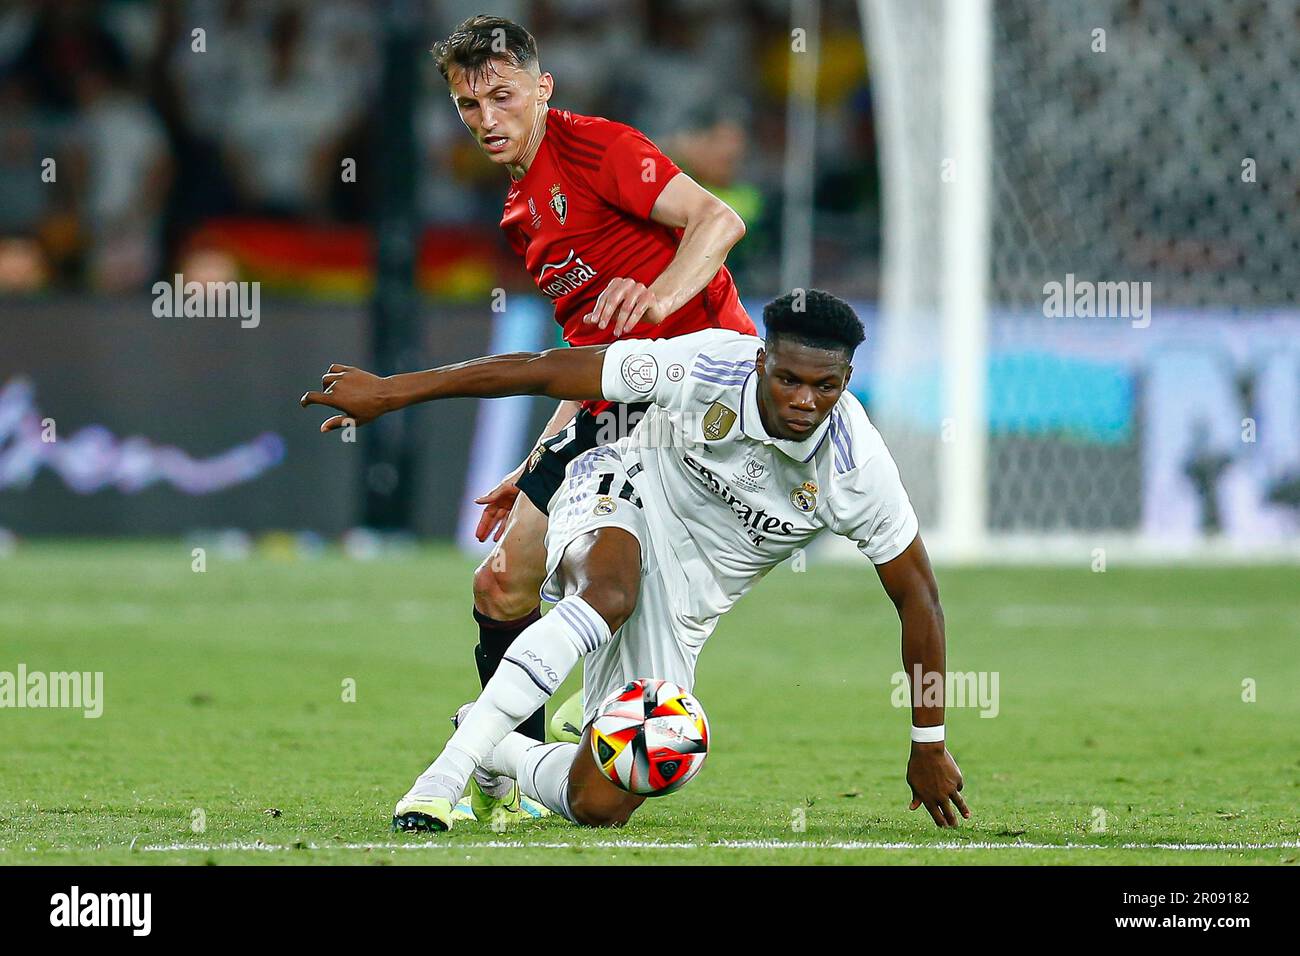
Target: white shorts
[(600, 492)]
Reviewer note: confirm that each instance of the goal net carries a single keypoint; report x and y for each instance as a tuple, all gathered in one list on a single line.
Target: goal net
[(1091, 229)]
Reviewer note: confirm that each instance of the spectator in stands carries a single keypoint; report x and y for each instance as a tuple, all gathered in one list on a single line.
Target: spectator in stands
[(280, 134), (126, 171)]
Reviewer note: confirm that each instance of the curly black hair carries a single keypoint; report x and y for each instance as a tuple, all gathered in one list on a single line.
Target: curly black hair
[(814, 318)]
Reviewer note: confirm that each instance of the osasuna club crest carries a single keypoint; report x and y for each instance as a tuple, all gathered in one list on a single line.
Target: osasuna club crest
[(559, 204)]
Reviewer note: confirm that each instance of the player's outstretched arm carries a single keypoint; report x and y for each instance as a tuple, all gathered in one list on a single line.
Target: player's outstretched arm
[(931, 772), (710, 228), (361, 396)]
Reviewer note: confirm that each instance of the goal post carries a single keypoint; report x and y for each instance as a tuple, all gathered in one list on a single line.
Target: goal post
[(1089, 335), (963, 306), (934, 131)]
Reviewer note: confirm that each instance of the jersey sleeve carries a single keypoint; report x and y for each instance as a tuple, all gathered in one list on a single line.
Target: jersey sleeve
[(869, 504), (633, 172), (652, 370)]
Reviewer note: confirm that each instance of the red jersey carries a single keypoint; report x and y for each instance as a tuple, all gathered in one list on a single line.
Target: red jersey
[(581, 217)]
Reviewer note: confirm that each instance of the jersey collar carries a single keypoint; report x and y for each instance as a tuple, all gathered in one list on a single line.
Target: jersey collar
[(752, 425)]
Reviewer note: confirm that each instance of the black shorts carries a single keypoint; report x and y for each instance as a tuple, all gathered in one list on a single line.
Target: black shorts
[(544, 473)]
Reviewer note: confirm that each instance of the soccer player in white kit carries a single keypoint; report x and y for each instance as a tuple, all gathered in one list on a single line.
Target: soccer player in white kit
[(749, 450)]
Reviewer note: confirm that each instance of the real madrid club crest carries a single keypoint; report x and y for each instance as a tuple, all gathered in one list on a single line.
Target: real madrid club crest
[(805, 497), (559, 204), (605, 505)]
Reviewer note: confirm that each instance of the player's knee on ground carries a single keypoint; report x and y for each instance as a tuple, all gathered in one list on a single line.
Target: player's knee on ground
[(598, 812), (501, 593)]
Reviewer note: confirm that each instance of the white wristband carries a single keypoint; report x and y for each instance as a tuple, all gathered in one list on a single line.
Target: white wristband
[(927, 735)]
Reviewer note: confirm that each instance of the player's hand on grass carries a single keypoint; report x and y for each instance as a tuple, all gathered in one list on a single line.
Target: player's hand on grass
[(497, 504), (625, 302), (935, 780), (360, 395)]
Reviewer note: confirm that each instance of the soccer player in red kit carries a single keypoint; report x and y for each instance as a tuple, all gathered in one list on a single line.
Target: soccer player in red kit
[(624, 243)]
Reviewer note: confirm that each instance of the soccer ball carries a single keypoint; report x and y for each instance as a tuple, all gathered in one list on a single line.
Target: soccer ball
[(650, 737)]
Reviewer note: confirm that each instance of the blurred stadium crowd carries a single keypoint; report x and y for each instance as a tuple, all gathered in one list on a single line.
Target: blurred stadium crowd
[(227, 158)]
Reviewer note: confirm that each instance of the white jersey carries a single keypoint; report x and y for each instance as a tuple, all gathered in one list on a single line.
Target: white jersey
[(724, 501)]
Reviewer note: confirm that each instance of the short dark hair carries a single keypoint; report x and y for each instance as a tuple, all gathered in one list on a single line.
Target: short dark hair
[(483, 38), (814, 318)]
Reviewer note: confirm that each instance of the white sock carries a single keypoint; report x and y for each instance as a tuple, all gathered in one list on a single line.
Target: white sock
[(507, 757), (538, 662), (541, 769)]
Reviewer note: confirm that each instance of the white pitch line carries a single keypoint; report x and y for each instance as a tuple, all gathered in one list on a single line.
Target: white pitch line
[(719, 845)]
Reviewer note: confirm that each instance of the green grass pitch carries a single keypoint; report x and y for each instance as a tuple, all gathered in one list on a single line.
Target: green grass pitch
[(1121, 735)]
